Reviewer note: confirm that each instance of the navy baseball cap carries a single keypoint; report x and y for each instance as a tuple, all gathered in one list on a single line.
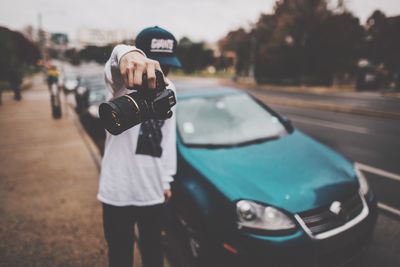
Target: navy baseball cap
[(160, 45)]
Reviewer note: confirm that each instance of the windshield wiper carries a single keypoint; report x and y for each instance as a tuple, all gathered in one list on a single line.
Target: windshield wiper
[(245, 143), (258, 140)]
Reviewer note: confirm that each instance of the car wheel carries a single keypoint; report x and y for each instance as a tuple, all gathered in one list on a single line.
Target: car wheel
[(194, 245), (199, 256), (198, 248)]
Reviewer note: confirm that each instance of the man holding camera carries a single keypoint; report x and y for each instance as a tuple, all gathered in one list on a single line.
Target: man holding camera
[(139, 163)]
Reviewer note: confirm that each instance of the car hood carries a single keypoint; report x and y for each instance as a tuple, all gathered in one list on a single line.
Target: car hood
[(294, 173)]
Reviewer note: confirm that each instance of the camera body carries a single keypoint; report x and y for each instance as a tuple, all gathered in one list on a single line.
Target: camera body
[(129, 110)]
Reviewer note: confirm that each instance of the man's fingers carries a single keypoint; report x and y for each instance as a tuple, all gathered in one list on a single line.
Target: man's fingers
[(151, 75), (167, 194), (132, 70), (124, 77), (130, 77), (137, 79), (158, 67)]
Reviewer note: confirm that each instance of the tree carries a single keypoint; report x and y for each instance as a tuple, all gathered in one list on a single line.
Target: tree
[(238, 41), (73, 56), (282, 55), (194, 56), (302, 42), (383, 40), (100, 54), (16, 54), (334, 47)]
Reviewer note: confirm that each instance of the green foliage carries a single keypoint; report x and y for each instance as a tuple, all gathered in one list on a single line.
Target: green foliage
[(100, 54), (383, 40), (16, 55), (238, 41), (334, 46), (194, 56), (302, 42), (73, 56)]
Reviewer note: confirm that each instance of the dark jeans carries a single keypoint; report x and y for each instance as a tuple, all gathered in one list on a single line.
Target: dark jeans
[(118, 223)]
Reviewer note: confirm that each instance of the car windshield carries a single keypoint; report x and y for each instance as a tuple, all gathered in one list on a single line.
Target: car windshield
[(225, 120)]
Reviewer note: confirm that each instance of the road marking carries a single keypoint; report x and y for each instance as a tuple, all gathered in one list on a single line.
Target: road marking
[(334, 125), (385, 174), (377, 171), (389, 209)]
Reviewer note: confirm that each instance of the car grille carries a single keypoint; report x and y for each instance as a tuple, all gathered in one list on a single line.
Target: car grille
[(322, 219)]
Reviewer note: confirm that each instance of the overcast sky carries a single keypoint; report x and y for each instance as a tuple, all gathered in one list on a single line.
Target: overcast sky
[(198, 19)]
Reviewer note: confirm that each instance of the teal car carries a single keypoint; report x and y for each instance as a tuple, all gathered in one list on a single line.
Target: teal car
[(251, 190)]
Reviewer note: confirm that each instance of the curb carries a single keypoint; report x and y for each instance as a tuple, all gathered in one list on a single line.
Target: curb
[(90, 145)]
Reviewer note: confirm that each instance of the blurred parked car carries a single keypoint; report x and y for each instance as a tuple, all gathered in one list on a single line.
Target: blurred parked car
[(251, 190), (94, 83), (69, 82), (89, 95)]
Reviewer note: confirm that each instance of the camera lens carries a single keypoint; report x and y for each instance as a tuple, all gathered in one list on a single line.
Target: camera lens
[(129, 110), (120, 114)]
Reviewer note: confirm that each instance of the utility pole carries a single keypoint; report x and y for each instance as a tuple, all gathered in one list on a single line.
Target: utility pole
[(253, 47), (341, 6), (42, 38)]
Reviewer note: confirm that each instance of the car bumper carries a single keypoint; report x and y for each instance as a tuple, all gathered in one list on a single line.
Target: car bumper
[(298, 249)]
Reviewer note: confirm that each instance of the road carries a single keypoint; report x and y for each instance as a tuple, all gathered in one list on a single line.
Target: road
[(373, 143), (360, 100)]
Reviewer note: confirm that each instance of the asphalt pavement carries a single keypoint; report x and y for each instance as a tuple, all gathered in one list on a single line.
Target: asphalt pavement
[(49, 214)]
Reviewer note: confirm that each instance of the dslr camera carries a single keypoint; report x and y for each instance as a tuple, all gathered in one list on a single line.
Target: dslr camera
[(144, 104)]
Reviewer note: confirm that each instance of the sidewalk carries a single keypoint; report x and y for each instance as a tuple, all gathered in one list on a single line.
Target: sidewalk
[(49, 215)]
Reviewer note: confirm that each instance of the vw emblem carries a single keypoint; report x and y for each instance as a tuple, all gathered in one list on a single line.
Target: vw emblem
[(336, 207)]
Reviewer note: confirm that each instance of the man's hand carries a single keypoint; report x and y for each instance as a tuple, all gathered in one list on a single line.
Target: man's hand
[(132, 66), (167, 194)]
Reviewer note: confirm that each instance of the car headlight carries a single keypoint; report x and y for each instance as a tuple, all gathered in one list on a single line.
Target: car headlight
[(255, 216), (94, 111), (364, 187)]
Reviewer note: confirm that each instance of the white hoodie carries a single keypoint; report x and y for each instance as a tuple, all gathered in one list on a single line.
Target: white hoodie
[(139, 163)]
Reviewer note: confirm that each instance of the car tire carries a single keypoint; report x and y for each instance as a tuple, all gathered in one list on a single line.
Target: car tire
[(198, 249)]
